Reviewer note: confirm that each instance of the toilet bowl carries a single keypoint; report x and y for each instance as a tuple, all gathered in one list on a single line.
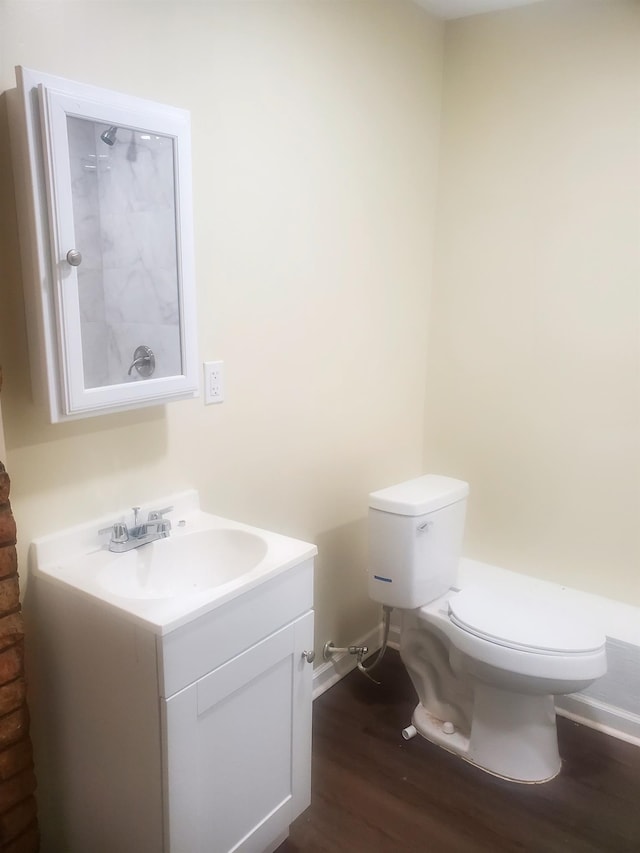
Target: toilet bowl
[(485, 662)]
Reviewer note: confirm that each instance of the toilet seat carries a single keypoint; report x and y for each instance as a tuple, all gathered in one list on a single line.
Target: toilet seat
[(536, 624), (518, 654), (524, 636)]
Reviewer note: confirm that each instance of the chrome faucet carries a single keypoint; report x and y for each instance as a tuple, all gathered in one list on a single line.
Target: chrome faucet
[(125, 538)]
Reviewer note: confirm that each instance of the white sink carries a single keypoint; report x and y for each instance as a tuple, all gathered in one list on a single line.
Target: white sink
[(182, 565), (205, 562)]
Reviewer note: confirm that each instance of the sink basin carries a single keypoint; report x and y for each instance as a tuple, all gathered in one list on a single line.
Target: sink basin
[(204, 563), (191, 563)]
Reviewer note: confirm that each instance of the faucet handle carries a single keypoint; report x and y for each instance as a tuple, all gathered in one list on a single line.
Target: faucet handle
[(156, 514), (119, 531), (163, 525)]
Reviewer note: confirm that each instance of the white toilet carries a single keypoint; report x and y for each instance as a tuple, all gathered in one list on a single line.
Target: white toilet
[(486, 664)]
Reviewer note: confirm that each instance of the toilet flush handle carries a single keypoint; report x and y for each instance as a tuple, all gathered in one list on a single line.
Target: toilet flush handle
[(424, 526)]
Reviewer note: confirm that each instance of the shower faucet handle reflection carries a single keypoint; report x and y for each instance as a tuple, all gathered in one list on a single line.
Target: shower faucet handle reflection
[(137, 362), (144, 361)]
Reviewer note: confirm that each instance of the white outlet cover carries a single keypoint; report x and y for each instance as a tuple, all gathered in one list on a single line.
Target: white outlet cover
[(213, 382)]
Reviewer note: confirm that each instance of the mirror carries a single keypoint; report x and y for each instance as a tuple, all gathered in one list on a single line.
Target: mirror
[(110, 216), (122, 186)]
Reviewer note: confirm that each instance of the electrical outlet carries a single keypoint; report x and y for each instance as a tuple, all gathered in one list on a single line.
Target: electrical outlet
[(213, 382)]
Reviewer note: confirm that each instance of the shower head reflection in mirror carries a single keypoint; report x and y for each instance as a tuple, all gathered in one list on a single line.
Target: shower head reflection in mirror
[(109, 136)]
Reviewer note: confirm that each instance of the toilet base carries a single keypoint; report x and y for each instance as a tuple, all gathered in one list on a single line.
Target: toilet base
[(513, 735)]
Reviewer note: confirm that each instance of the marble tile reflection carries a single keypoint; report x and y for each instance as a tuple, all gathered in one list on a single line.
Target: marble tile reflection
[(148, 237), (140, 173), (95, 337), (125, 227), (133, 295), (83, 162), (91, 296)]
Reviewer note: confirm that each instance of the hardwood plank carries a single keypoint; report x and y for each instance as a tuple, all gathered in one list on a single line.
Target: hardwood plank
[(372, 791)]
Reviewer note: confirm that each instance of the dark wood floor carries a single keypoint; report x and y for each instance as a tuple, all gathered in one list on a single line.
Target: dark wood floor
[(376, 793)]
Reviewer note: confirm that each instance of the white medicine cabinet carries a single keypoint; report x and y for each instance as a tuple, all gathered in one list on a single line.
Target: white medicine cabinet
[(103, 187)]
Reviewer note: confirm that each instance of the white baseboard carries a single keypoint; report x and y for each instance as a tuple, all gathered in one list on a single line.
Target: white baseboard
[(604, 718)]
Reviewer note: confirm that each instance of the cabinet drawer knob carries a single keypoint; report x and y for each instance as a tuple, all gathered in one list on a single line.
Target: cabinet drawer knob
[(74, 258), (309, 656)]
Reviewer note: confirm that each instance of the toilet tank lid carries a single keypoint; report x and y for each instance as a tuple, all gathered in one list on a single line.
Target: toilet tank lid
[(420, 496)]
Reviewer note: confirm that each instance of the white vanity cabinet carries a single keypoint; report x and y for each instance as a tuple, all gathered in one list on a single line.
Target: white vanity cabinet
[(193, 741)]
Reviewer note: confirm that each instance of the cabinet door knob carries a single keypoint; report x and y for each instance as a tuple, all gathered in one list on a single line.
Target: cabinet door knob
[(309, 656), (74, 258)]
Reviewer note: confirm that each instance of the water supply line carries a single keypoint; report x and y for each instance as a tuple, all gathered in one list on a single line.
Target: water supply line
[(330, 650)]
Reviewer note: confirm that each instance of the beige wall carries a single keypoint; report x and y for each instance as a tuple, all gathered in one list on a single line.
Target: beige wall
[(533, 391), (315, 128), (315, 136)]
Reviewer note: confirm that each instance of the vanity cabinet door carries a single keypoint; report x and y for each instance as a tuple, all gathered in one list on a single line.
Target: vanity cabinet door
[(238, 748)]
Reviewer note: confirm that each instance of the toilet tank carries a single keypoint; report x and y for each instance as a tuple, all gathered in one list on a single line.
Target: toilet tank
[(415, 540)]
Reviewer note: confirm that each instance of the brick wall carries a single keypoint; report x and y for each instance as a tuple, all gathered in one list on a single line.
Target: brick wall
[(18, 823)]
